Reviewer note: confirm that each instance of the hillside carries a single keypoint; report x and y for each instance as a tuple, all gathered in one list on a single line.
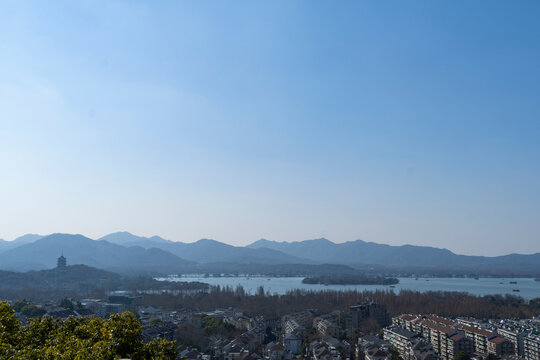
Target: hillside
[(21, 240), (75, 277), (42, 254), (361, 252), (127, 253), (209, 251)]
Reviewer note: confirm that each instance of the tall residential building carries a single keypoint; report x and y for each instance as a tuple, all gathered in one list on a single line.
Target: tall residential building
[(359, 313), (478, 337), (500, 346), (516, 336), (446, 340), (531, 347)]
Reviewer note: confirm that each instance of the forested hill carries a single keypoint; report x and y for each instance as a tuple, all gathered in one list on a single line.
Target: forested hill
[(75, 277), (80, 280)]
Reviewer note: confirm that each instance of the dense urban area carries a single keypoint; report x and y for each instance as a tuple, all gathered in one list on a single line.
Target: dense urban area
[(197, 321)]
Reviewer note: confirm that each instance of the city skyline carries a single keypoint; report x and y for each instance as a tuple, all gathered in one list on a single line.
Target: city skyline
[(394, 123)]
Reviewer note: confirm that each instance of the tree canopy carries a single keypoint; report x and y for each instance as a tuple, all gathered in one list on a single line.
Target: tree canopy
[(45, 338), (462, 356)]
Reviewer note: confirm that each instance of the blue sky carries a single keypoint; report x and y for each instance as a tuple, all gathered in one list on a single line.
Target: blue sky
[(394, 122)]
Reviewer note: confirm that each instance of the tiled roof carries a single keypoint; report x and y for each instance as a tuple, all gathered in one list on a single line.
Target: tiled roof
[(403, 332), (437, 327), (497, 340), (475, 330), (440, 319)]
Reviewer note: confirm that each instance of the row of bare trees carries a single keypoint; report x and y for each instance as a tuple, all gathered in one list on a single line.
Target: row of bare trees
[(406, 301)]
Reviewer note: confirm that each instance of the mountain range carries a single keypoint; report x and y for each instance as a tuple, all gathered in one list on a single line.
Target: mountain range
[(25, 239), (410, 256), (123, 251)]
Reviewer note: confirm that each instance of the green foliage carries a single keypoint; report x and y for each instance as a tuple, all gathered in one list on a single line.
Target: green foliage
[(394, 354), (212, 325), (9, 327), (19, 304), (462, 356), (33, 311), (269, 335), (350, 279), (78, 338), (66, 304)]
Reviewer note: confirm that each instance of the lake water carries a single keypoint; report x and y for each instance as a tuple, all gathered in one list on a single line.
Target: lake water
[(529, 288)]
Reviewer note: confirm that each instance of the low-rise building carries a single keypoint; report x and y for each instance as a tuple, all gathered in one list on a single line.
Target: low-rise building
[(372, 348), (293, 343), (420, 349), (399, 338), (274, 351)]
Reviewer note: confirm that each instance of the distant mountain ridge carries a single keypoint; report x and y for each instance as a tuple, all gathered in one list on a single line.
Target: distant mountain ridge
[(123, 251), (361, 252), (208, 250), (78, 249), (124, 237), (25, 239)]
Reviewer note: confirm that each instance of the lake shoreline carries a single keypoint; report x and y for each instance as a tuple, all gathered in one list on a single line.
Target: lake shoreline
[(527, 288)]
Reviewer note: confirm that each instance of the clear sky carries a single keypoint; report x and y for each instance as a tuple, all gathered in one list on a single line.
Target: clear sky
[(389, 121)]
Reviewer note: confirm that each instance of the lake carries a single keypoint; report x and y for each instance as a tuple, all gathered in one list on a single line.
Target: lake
[(529, 288)]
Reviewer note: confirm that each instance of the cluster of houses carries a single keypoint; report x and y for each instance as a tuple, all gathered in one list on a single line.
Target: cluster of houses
[(321, 336), (446, 338)]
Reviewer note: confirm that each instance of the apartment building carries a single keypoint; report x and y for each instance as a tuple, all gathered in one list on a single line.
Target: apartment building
[(531, 347), (399, 338), (359, 313), (478, 337), (303, 318), (446, 340), (500, 346), (325, 327), (292, 326), (516, 336)]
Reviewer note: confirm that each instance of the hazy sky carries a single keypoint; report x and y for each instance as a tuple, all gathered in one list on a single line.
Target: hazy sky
[(394, 122)]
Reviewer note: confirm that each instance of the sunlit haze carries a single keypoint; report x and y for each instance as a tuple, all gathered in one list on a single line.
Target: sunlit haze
[(392, 122)]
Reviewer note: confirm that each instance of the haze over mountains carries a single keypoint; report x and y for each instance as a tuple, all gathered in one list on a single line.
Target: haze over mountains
[(123, 251)]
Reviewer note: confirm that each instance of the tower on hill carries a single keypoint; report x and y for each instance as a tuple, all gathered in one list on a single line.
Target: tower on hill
[(61, 263)]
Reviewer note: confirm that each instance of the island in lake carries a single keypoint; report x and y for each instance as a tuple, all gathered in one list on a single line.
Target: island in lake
[(350, 280)]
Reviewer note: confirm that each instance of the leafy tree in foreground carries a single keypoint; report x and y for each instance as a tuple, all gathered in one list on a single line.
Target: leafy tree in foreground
[(46, 338)]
